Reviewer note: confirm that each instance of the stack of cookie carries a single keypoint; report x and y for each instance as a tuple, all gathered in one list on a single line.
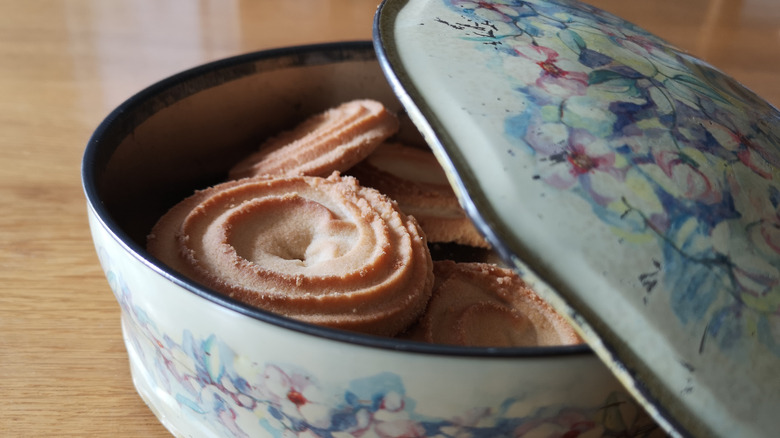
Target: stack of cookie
[(332, 223)]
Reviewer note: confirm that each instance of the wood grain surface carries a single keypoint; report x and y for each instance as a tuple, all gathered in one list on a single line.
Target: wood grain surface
[(64, 64)]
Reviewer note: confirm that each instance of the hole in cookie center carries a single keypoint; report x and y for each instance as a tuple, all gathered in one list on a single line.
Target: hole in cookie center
[(288, 229)]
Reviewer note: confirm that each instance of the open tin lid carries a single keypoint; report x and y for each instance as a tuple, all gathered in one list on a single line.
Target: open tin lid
[(634, 186)]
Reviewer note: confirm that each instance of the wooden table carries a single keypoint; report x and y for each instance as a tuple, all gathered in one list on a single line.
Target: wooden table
[(64, 64)]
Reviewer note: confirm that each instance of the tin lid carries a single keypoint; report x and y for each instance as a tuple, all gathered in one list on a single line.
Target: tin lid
[(635, 186)]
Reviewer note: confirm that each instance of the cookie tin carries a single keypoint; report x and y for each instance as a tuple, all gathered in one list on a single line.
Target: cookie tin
[(635, 186)]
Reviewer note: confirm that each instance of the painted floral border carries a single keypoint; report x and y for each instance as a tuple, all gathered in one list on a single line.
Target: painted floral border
[(213, 385)]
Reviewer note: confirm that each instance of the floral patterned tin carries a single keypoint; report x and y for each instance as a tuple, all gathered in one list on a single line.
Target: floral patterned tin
[(209, 366), (635, 185)]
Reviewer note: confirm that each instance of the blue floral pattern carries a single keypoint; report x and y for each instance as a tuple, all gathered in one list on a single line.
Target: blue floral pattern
[(665, 149), (211, 383)]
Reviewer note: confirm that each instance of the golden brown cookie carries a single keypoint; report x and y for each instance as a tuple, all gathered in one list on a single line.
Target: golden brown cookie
[(334, 140), (483, 305), (322, 250)]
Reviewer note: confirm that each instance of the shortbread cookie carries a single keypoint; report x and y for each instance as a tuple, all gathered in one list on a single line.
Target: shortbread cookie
[(334, 140), (320, 250), (482, 305)]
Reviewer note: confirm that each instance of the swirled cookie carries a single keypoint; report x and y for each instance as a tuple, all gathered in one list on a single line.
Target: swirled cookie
[(334, 140), (414, 179), (483, 305), (321, 250)]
